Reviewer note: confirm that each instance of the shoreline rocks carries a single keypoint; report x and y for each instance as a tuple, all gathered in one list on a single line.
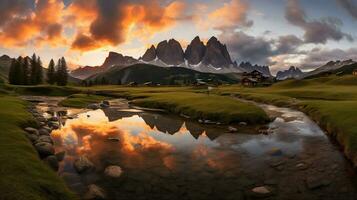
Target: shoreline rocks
[(82, 164), (40, 137)]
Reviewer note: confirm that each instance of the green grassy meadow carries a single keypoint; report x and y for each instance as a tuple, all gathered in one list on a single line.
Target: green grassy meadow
[(23, 175)]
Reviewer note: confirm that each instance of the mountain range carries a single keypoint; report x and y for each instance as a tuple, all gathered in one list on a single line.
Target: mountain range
[(212, 57), (331, 67)]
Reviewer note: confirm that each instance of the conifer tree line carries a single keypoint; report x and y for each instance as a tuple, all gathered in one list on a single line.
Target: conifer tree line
[(29, 71)]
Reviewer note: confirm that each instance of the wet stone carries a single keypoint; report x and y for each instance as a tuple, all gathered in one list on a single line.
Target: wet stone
[(44, 138), (231, 129), (52, 162), (82, 164), (44, 149), (113, 171), (60, 155), (32, 137), (94, 192), (261, 191), (31, 130), (302, 166)]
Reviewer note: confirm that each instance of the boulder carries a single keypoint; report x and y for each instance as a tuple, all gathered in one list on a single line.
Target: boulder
[(43, 131), (60, 155), (44, 149), (53, 118), (113, 171), (94, 192), (31, 130), (41, 119), (82, 164), (93, 106), (32, 137), (106, 102), (44, 138), (231, 129), (102, 105), (53, 125), (52, 162)]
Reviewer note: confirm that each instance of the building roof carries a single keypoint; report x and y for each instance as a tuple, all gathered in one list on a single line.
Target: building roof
[(250, 79)]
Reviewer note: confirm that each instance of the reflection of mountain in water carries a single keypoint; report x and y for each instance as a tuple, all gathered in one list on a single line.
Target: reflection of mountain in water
[(114, 114), (163, 124)]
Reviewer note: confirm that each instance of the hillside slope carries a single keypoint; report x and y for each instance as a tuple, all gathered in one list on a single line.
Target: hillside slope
[(142, 73)]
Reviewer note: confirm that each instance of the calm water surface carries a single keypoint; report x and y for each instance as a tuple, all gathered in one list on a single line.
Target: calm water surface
[(166, 157)]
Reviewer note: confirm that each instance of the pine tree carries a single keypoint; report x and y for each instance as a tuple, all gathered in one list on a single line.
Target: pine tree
[(51, 73), (39, 74), (62, 73), (33, 72), (25, 71), (12, 72), (19, 74)]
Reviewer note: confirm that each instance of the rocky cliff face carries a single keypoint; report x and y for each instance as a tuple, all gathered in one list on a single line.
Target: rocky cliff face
[(118, 59), (195, 51), (150, 54), (170, 52), (292, 72), (248, 67), (113, 59), (213, 57), (216, 54)]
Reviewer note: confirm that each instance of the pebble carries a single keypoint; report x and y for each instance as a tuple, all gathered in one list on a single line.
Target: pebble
[(243, 123), (276, 152), (261, 190), (302, 166)]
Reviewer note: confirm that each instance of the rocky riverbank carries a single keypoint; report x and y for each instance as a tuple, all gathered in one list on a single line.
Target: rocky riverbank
[(40, 136)]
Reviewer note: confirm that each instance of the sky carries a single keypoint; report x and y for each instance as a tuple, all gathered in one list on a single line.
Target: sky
[(278, 33)]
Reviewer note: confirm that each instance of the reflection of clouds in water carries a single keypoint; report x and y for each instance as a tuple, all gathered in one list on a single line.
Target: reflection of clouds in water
[(262, 145)]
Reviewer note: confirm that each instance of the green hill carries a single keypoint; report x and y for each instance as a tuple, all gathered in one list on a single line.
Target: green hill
[(143, 73)]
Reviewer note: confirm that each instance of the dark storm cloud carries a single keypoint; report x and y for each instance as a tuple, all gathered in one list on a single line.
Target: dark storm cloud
[(318, 57), (316, 31), (244, 47), (8, 8), (350, 6)]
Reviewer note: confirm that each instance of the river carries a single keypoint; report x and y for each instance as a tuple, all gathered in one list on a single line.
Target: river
[(169, 157)]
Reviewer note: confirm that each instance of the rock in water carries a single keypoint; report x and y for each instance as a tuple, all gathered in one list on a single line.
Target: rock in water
[(94, 192), (93, 106), (106, 102), (43, 131), (231, 129), (262, 191), (113, 171), (60, 155), (44, 149), (82, 164), (44, 138)]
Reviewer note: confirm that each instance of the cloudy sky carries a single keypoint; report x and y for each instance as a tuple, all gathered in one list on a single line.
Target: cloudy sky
[(279, 33)]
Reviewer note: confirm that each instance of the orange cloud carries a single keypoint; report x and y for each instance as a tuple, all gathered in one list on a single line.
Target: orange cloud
[(118, 21), (230, 15), (38, 25)]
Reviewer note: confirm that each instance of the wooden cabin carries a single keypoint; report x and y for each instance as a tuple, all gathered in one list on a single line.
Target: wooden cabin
[(249, 82)]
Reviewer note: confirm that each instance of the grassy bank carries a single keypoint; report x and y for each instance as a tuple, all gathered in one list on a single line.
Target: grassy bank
[(23, 176), (203, 106), (331, 101), (81, 100)]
